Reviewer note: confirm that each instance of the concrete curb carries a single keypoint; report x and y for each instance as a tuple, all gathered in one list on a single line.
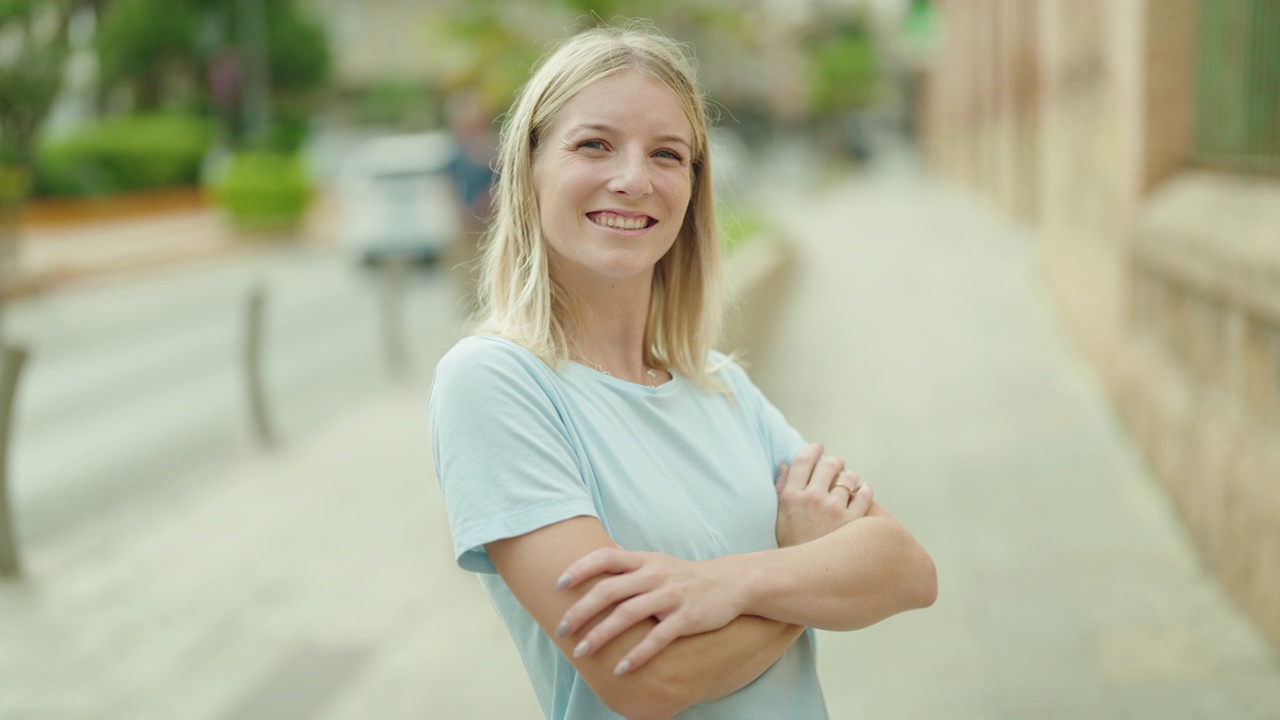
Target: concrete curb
[(754, 274), (50, 258)]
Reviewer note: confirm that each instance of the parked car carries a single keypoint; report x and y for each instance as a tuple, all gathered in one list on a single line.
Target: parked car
[(396, 198)]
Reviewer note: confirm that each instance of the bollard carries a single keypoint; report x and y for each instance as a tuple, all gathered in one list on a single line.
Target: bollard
[(13, 358), (253, 368), (394, 271)]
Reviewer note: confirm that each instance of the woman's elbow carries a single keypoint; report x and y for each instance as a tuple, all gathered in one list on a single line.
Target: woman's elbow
[(924, 580), (916, 576)]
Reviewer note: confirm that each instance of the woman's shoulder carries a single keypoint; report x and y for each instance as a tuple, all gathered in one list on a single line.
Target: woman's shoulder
[(487, 349), (483, 383), (486, 358)]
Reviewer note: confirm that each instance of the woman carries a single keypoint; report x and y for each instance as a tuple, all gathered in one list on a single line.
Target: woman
[(612, 478)]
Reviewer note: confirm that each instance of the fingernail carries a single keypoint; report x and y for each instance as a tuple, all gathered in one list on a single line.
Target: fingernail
[(581, 649), (622, 668), (562, 629), (564, 581)]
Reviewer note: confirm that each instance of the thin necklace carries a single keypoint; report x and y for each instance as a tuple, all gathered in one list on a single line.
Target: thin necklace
[(653, 374)]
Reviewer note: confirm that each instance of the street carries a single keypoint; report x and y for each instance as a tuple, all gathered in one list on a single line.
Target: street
[(134, 385)]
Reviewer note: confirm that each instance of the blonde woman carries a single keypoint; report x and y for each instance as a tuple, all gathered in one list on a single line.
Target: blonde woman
[(652, 532)]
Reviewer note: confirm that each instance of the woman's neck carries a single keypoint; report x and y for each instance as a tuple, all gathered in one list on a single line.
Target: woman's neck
[(611, 334)]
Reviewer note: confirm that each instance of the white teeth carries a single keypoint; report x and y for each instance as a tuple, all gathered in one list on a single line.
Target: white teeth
[(621, 223)]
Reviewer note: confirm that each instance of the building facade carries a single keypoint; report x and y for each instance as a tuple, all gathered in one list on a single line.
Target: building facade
[(1141, 138)]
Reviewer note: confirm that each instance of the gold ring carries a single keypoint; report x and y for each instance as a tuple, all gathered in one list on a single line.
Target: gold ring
[(846, 488)]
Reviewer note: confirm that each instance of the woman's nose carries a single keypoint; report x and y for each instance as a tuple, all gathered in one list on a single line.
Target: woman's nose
[(631, 176)]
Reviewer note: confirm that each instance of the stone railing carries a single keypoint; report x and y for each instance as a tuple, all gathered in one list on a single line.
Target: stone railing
[(1198, 374)]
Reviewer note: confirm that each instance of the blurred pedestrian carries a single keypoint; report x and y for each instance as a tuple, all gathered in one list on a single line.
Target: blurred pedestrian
[(470, 170), (471, 166), (653, 533)]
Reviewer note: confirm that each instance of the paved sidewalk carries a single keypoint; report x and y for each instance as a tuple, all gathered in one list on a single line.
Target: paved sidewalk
[(914, 339), (918, 341)]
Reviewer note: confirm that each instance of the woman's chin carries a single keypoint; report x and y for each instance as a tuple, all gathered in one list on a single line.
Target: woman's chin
[(621, 266)]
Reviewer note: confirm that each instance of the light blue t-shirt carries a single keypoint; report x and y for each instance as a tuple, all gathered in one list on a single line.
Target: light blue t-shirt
[(678, 469)]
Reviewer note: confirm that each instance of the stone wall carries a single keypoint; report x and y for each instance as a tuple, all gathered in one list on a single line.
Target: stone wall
[(1170, 277), (1198, 379)]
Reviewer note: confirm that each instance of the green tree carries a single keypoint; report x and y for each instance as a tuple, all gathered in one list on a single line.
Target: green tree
[(492, 44), (141, 43), (844, 80), (163, 51), (33, 54), (845, 70)]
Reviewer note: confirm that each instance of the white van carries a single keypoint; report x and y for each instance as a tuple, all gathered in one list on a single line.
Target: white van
[(396, 198)]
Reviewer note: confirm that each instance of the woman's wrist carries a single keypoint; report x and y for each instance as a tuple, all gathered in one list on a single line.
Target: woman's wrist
[(747, 579)]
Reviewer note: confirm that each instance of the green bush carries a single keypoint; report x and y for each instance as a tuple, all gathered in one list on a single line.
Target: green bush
[(121, 154), (264, 190)]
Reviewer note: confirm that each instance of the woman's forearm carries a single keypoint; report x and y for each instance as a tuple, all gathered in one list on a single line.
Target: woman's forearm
[(692, 669), (712, 665), (848, 579), (698, 667)]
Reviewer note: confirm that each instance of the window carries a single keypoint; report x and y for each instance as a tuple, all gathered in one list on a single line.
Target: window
[(1238, 86)]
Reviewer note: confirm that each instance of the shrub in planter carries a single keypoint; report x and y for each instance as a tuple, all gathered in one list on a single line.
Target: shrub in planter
[(141, 152), (262, 190)]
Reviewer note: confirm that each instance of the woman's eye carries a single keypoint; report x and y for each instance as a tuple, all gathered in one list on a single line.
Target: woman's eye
[(592, 144), (669, 155)]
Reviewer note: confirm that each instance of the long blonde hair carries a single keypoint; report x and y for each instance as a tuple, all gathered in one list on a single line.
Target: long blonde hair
[(519, 298)]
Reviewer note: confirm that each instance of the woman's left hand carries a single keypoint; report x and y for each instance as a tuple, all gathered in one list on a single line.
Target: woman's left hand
[(686, 598)]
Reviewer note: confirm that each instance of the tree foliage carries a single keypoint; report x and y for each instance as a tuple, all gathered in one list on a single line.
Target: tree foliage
[(138, 41), (844, 70), (492, 44), (33, 53), (157, 48)]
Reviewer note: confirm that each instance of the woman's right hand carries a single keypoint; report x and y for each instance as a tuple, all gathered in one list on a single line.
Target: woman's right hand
[(817, 495)]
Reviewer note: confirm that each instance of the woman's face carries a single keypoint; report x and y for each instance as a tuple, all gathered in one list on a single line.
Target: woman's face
[(612, 176)]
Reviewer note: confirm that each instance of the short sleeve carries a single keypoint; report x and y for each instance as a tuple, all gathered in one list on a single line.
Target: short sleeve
[(781, 441), (504, 456)]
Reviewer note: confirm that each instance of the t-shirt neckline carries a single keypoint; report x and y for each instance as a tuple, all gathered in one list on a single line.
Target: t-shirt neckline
[(663, 389)]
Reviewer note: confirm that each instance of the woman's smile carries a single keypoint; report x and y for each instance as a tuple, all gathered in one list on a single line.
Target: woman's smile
[(632, 224)]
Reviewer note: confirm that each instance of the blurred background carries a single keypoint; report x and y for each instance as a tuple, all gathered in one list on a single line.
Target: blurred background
[(1018, 261)]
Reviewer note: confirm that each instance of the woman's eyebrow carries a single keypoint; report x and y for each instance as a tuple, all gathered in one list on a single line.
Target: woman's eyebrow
[(601, 127), (675, 138), (593, 127)]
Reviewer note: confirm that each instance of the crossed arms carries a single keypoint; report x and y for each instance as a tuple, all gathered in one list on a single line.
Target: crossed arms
[(652, 634)]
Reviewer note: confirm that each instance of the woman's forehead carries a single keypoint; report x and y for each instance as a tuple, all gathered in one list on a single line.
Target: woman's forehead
[(627, 101)]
